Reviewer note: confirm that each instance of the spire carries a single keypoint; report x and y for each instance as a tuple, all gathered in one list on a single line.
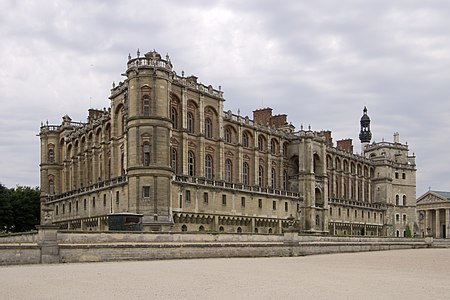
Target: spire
[(365, 135)]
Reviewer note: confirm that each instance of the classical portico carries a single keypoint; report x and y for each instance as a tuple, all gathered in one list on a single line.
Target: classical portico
[(433, 209)]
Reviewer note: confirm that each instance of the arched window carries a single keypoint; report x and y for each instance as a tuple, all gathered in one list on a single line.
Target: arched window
[(245, 173), (174, 117), (285, 150), (122, 125), (317, 220), (122, 164), (285, 180), (184, 228), (146, 106), (208, 166), (404, 200), (273, 146), (228, 170), (261, 176), (146, 154), (191, 163), (227, 135), (221, 229), (245, 140), (270, 230), (174, 160), (51, 155), (239, 230), (208, 128), (51, 186), (261, 143), (201, 228), (190, 122), (397, 200), (274, 178)]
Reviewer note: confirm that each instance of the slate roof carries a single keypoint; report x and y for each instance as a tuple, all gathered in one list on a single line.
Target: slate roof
[(443, 194)]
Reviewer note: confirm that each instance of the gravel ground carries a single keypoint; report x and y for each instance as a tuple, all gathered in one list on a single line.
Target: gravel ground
[(400, 274)]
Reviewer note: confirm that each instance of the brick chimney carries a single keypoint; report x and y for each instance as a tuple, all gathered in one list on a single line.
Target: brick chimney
[(262, 116), (345, 145), (328, 138), (278, 120)]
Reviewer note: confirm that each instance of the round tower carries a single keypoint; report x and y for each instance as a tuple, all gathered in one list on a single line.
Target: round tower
[(149, 126), (365, 135)]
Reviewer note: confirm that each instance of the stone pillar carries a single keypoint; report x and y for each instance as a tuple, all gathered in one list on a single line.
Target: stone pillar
[(48, 243), (447, 223), (427, 225), (437, 225)]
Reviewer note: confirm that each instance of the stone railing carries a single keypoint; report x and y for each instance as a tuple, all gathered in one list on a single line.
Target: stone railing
[(48, 128), (376, 206), (89, 189), (144, 61), (235, 186)]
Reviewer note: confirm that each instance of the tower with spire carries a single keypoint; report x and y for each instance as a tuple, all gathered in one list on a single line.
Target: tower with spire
[(365, 135)]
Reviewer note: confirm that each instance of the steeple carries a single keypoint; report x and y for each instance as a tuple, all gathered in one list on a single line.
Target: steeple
[(365, 135)]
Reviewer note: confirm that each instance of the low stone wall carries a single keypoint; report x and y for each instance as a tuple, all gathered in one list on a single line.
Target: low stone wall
[(19, 249), (52, 246)]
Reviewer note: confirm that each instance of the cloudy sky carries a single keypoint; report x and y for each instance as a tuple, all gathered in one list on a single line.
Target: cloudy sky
[(318, 61)]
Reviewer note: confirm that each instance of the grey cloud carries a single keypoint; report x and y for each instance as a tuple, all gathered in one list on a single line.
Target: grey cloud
[(320, 62)]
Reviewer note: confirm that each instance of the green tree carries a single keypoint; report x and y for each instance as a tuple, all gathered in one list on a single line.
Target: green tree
[(6, 211), (408, 232), (26, 208)]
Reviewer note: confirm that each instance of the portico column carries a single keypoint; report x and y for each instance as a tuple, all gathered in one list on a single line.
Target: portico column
[(437, 225), (427, 220), (447, 223)]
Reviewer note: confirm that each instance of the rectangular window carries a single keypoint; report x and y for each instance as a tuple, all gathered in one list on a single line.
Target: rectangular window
[(85, 204), (286, 206), (396, 175), (397, 217), (404, 218), (117, 198), (205, 199), (104, 199), (181, 201), (260, 203), (274, 205), (76, 206), (93, 202), (404, 176), (243, 201), (188, 196), (224, 199), (146, 192)]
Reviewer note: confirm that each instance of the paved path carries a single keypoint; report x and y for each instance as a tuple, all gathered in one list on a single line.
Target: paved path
[(401, 274)]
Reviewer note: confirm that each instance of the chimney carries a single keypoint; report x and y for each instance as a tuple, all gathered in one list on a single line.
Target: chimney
[(345, 145), (278, 120), (396, 138), (328, 138), (262, 116)]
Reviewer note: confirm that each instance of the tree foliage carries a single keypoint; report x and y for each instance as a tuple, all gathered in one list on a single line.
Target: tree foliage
[(19, 209)]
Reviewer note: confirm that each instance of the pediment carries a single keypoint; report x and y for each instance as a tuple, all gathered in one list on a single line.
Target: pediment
[(432, 197)]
